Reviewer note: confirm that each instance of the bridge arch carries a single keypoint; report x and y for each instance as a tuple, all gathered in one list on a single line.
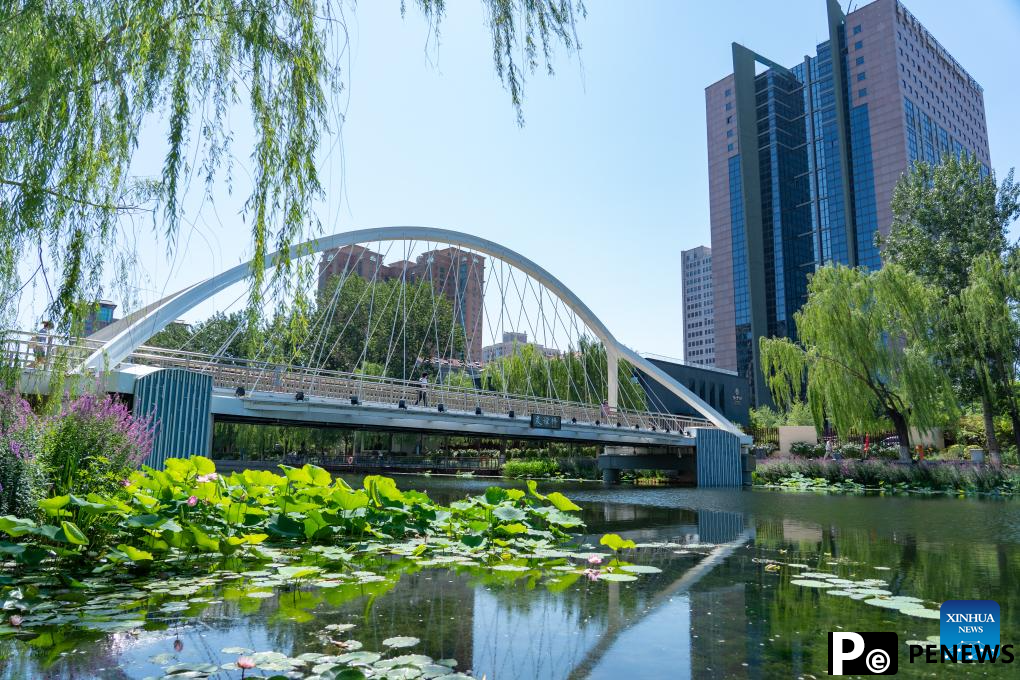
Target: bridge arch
[(123, 337)]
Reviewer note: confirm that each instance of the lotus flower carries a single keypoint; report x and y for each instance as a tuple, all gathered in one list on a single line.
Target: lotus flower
[(245, 662), (193, 501), (16, 620), (594, 559), (178, 645), (592, 574)]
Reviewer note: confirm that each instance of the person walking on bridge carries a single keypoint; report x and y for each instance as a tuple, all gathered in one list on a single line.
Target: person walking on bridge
[(423, 391)]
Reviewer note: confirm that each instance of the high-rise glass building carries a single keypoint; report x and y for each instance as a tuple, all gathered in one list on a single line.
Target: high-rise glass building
[(803, 161)]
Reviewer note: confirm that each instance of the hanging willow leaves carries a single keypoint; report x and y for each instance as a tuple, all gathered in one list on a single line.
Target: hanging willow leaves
[(864, 352), (80, 78)]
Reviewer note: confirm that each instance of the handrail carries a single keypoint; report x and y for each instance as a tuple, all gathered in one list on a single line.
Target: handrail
[(326, 383)]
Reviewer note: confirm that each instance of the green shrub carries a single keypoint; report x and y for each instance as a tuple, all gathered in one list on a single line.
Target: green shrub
[(807, 449), (879, 474), (516, 469)]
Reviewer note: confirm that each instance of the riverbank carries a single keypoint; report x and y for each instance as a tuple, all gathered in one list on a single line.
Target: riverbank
[(956, 477)]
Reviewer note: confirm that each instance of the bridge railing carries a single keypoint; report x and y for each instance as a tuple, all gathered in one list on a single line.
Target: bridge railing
[(42, 351), (231, 372), (22, 349)]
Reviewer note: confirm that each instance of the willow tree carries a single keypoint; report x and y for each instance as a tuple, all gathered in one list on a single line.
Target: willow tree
[(864, 353), (987, 313), (80, 78), (945, 216)]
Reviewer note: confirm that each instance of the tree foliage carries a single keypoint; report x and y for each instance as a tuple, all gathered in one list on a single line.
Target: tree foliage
[(579, 374), (947, 217), (987, 312), (80, 78), (385, 328), (865, 353)]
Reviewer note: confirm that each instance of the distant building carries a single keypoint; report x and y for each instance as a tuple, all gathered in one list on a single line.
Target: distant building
[(723, 390), (511, 341), (100, 318), (456, 274), (699, 316), (803, 160)]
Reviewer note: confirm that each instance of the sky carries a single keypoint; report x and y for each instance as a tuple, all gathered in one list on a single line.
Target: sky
[(606, 182)]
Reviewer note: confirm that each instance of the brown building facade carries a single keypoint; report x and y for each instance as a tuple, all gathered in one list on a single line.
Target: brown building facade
[(456, 274)]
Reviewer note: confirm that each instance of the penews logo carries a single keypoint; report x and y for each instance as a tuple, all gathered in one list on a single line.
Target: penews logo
[(863, 653)]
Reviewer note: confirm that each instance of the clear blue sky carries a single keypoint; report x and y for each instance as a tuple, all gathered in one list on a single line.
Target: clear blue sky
[(607, 182)]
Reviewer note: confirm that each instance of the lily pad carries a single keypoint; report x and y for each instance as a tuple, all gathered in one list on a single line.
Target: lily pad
[(401, 641), (613, 576), (641, 569), (809, 583)]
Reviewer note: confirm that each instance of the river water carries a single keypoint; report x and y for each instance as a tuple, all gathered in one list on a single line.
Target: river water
[(716, 609)]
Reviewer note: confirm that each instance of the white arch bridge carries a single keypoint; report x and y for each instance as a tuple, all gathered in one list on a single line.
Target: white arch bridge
[(552, 370)]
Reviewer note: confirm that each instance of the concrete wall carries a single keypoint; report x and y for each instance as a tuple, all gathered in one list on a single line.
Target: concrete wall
[(789, 434)]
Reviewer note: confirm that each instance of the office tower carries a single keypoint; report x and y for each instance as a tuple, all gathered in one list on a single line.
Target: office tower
[(699, 325), (803, 162)]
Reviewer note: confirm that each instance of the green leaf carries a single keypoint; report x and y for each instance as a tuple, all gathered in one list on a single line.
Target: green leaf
[(74, 534), (533, 488), (146, 521), (318, 476), (203, 541), (617, 577), (508, 513), (562, 502), (472, 540), (614, 542), (134, 554), (296, 573), (52, 506), (285, 526), (203, 466), (495, 495), (349, 500), (16, 526)]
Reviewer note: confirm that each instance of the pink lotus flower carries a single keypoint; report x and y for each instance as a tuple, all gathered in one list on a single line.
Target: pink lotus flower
[(178, 645), (594, 559), (211, 477), (193, 501), (245, 662), (592, 574), (16, 620)]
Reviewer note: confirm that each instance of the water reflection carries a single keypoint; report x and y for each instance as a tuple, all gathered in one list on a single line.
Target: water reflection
[(714, 611)]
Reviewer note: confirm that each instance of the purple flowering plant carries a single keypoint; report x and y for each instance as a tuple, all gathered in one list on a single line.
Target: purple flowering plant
[(20, 479)]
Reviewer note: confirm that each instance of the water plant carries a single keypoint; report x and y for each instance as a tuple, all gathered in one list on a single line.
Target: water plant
[(960, 477)]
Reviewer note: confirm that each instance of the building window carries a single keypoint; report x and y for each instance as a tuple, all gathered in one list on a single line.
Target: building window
[(729, 133), (862, 76), (863, 92), (729, 147), (860, 61), (728, 92), (729, 106), (857, 29), (729, 119), (859, 44)]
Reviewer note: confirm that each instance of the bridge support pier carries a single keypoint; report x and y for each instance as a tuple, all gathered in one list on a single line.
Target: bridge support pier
[(610, 476)]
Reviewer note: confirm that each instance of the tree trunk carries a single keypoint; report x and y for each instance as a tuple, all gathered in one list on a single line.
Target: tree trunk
[(902, 433), (989, 416)]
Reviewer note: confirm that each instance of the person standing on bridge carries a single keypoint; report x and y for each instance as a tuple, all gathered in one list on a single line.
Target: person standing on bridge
[(423, 391)]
